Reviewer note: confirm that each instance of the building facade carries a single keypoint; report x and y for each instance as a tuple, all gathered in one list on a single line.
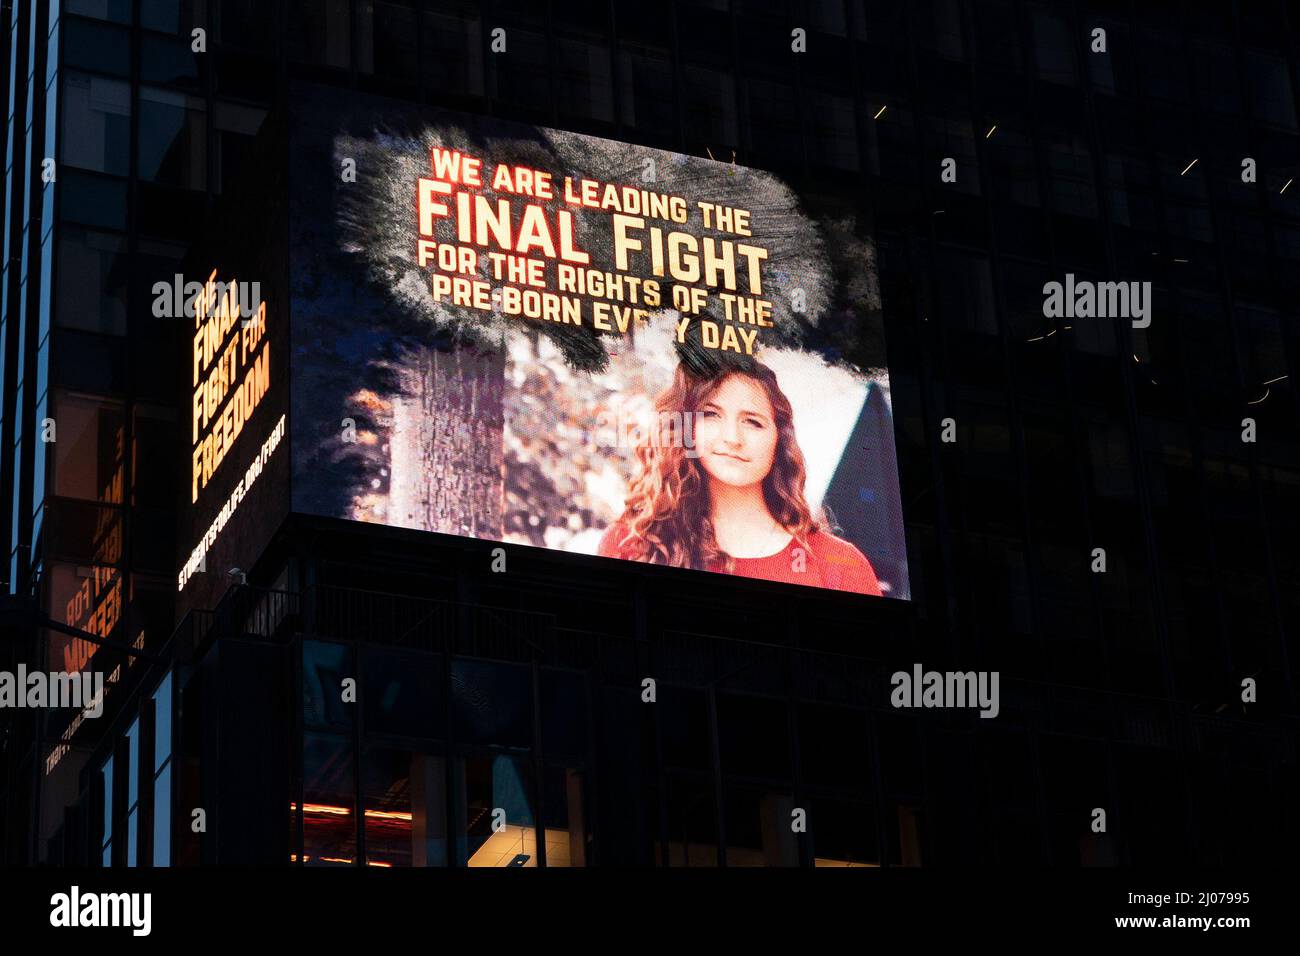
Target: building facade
[(996, 147)]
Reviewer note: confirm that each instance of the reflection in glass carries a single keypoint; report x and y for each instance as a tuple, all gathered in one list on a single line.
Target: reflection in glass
[(173, 138), (405, 809), (329, 836), (96, 123)]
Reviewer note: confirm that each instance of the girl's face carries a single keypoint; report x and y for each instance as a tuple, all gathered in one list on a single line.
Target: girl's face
[(735, 432)]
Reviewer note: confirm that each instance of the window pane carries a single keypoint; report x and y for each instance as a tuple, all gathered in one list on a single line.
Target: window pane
[(564, 713), (692, 823), (162, 817), (89, 451), (106, 777), (162, 710), (170, 61), (499, 826), (583, 84), (132, 833), (235, 128), (564, 817), (758, 829), (96, 46), (328, 817), (406, 808), (96, 123), (1270, 85), (402, 693), (324, 666), (386, 41), (1053, 45), (95, 269), (173, 138), (754, 736), (173, 16), (492, 703), (119, 11), (451, 50), (247, 23), (133, 764), (323, 33), (844, 834), (92, 200)]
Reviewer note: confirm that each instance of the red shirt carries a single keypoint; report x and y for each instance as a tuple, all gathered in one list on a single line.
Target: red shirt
[(825, 561)]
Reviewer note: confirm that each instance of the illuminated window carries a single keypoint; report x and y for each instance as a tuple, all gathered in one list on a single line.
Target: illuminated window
[(499, 825)]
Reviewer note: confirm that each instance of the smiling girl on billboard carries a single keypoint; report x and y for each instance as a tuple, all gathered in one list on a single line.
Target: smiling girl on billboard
[(735, 502)]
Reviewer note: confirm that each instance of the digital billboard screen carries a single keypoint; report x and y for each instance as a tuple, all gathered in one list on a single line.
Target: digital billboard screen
[(537, 337), (228, 306)]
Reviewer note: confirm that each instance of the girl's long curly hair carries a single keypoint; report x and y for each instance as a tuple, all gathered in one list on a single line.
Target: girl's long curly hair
[(667, 518)]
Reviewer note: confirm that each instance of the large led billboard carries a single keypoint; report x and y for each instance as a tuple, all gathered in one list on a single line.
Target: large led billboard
[(537, 337)]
